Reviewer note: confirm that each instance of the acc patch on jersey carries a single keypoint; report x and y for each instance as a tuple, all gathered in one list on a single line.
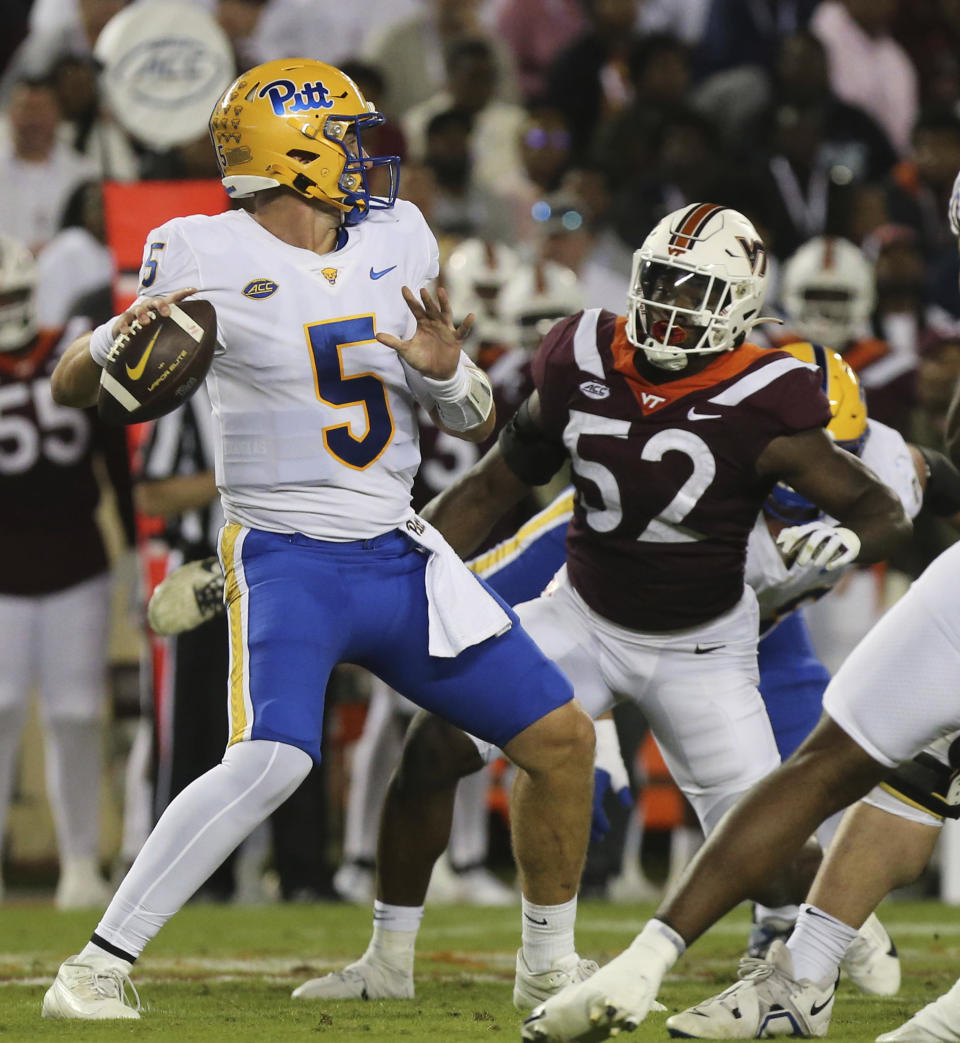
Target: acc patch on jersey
[(260, 289), (157, 367)]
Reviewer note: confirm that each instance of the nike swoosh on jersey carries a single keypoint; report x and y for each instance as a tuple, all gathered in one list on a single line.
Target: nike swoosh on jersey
[(379, 275), (692, 414), (704, 649), (137, 371)]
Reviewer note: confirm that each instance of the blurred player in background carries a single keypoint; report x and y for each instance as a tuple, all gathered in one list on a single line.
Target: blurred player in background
[(324, 353), (54, 576)]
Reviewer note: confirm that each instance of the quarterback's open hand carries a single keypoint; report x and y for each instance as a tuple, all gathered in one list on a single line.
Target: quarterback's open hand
[(434, 348), (828, 546)]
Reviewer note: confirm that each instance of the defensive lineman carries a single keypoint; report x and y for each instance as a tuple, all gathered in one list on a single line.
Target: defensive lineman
[(313, 388)]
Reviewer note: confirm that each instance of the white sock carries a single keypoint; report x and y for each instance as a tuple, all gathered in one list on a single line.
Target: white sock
[(547, 933), (818, 944), (469, 831), (200, 827), (662, 939), (104, 957), (781, 912), (395, 930)]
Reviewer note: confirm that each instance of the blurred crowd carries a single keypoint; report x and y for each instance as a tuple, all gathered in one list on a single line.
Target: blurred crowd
[(543, 139)]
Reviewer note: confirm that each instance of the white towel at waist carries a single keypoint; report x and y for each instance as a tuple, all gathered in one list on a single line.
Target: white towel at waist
[(460, 611)]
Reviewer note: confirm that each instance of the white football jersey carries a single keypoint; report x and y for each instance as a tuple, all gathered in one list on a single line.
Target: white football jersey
[(315, 419), (780, 590)]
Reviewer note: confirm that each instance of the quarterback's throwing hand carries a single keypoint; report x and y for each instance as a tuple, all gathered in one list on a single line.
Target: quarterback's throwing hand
[(434, 348), (828, 546)]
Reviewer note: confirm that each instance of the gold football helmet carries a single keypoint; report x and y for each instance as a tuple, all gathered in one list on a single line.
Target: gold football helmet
[(299, 123), (848, 409), (847, 427)]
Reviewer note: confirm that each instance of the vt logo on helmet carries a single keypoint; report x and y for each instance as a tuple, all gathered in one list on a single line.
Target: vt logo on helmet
[(697, 285), (299, 123)]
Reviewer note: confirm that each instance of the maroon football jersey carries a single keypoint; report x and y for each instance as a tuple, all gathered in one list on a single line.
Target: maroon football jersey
[(49, 538), (667, 490)]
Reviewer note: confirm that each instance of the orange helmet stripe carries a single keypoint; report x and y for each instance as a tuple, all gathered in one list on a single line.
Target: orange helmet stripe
[(693, 223)]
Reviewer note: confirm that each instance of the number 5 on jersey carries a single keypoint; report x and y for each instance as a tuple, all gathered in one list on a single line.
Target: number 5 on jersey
[(335, 388)]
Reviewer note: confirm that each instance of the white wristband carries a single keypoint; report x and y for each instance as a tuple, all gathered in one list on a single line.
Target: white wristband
[(464, 401), (453, 388), (101, 341)]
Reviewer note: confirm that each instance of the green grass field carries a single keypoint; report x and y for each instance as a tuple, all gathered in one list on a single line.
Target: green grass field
[(222, 974)]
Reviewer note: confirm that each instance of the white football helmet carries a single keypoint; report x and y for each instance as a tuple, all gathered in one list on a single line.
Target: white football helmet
[(697, 285), (829, 291), (18, 286), (535, 298), (474, 276)]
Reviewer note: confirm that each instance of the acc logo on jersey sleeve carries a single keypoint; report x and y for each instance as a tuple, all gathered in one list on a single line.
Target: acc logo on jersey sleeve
[(594, 389), (260, 289)]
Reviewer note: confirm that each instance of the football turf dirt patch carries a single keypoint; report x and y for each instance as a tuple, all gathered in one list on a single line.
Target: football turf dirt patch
[(223, 974)]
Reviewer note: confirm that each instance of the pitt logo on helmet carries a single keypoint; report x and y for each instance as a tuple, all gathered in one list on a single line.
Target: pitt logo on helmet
[(282, 92), (259, 289)]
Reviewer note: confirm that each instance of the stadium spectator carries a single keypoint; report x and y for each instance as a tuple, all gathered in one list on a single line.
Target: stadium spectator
[(545, 157), (800, 187), (335, 32), (799, 78), (685, 19), (459, 206), (929, 30), (240, 19), (918, 189), (55, 31), (93, 131), (738, 32), (76, 265), (868, 68), (471, 89), (413, 51), (660, 76), (590, 79), (37, 169), (535, 31)]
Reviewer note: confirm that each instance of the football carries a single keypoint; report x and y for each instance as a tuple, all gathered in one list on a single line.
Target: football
[(156, 368)]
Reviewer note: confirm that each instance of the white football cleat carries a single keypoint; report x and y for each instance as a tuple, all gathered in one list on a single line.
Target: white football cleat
[(481, 887), (367, 979), (91, 988), (613, 1000), (767, 1001), (81, 886), (355, 883), (871, 961), (533, 987), (938, 1022), (189, 596)]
